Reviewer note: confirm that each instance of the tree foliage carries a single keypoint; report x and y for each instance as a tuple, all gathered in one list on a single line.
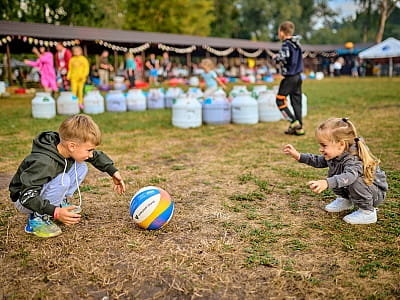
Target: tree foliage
[(315, 21), (174, 16)]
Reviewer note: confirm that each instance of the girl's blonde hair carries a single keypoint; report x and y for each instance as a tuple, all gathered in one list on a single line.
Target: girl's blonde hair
[(80, 129), (343, 130)]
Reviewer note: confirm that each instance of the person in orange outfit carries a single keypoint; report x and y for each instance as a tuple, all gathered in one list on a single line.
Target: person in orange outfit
[(78, 71)]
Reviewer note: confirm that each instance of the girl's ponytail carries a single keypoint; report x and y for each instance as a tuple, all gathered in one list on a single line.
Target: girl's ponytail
[(370, 162)]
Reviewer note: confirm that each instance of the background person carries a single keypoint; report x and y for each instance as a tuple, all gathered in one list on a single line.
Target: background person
[(153, 65), (130, 67), (78, 71), (63, 55), (291, 59), (45, 64), (210, 77), (104, 68)]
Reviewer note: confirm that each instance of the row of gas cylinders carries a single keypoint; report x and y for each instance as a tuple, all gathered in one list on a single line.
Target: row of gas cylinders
[(45, 106), (188, 109), (188, 112)]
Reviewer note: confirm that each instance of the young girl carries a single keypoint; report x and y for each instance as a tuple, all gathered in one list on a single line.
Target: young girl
[(210, 77), (353, 174), (45, 63)]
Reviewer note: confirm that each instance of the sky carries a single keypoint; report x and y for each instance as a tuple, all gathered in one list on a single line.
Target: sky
[(345, 8)]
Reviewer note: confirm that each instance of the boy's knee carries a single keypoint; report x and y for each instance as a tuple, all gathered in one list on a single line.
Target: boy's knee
[(281, 101)]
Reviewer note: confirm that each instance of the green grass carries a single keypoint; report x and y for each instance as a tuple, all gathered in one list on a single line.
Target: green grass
[(242, 209)]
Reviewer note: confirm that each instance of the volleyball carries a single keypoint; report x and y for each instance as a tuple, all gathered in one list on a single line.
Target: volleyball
[(151, 208)]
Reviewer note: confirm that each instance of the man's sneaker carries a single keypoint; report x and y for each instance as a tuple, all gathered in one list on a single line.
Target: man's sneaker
[(361, 217), (65, 203), (41, 226), (338, 205), (293, 127), (299, 131)]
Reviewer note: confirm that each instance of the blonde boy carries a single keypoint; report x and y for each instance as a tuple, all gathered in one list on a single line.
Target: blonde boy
[(54, 170)]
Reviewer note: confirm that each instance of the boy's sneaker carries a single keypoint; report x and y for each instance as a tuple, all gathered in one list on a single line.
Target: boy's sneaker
[(361, 217), (338, 205), (65, 203), (41, 226), (299, 132), (293, 127)]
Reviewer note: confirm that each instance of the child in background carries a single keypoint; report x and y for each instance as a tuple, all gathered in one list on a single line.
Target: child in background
[(54, 170), (45, 64), (210, 77), (130, 67), (153, 65), (353, 172), (290, 56), (78, 71)]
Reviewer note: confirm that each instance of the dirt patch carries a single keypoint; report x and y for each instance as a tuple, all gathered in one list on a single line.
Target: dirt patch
[(5, 180)]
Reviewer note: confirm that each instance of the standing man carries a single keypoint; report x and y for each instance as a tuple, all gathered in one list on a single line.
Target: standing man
[(104, 68)]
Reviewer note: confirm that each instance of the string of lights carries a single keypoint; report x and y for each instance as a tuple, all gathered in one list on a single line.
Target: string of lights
[(70, 43), (176, 50)]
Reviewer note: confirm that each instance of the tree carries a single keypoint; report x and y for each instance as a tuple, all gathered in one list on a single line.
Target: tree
[(386, 8), (226, 16), (175, 16)]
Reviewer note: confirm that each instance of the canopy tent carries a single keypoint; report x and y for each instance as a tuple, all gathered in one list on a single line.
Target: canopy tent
[(389, 48)]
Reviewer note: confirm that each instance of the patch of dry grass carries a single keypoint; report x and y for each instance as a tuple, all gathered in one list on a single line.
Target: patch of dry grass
[(245, 224)]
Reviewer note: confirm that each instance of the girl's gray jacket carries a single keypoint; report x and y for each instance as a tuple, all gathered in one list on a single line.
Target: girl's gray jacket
[(343, 170)]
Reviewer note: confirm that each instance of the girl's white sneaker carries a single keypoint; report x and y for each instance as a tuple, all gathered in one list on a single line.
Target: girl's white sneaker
[(338, 205), (361, 217)]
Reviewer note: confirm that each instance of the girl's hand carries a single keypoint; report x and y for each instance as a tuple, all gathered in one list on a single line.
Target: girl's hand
[(119, 185), (67, 217), (317, 186), (290, 150)]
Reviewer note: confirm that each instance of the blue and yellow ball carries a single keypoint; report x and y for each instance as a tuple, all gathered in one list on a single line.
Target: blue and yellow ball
[(151, 208)]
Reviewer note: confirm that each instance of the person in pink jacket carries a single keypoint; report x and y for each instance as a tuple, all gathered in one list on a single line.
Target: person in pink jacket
[(45, 64)]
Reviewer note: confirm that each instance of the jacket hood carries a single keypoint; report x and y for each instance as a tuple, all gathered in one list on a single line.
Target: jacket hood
[(46, 143)]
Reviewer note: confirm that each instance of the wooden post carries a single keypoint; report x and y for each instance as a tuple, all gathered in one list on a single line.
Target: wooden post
[(189, 63), (85, 50), (9, 72), (115, 62)]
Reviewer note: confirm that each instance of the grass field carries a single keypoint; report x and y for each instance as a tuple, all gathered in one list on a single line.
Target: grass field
[(246, 226)]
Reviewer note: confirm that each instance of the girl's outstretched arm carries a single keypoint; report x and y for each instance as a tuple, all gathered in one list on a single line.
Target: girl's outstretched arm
[(290, 150)]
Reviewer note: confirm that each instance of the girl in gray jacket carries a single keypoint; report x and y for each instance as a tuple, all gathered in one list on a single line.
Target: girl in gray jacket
[(353, 171)]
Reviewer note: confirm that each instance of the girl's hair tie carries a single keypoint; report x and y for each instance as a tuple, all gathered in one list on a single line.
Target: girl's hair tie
[(356, 140), (345, 119)]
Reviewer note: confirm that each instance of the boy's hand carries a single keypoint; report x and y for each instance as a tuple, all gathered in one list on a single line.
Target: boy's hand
[(317, 186), (119, 185), (67, 217), (290, 150)]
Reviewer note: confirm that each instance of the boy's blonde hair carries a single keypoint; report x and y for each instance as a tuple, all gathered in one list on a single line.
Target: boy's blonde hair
[(342, 129), (208, 63), (287, 28), (80, 129)]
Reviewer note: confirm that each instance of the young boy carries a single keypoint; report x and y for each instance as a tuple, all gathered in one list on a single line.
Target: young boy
[(290, 56), (54, 170)]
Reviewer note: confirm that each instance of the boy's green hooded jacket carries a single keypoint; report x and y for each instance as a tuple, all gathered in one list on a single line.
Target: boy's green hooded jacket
[(41, 166)]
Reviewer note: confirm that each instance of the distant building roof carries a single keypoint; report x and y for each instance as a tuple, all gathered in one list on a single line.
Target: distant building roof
[(125, 37)]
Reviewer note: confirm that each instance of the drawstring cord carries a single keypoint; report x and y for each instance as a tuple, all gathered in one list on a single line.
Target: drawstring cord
[(76, 180), (77, 185), (65, 168)]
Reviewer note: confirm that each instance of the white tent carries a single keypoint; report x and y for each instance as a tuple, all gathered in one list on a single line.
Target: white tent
[(389, 48)]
